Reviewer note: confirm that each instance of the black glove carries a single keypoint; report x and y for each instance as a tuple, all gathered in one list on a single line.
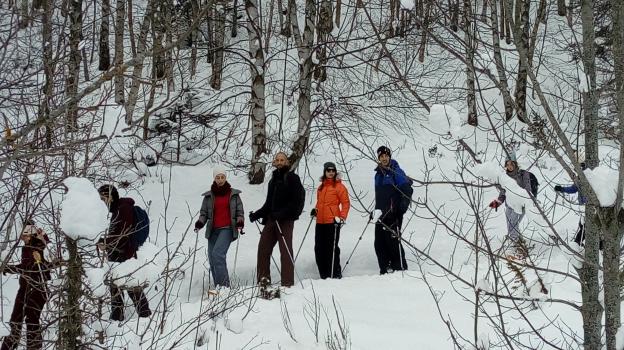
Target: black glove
[(313, 212), (253, 217), (558, 188), (198, 225)]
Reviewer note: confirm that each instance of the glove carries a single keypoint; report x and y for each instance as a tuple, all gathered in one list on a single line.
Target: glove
[(313, 212), (198, 225), (338, 220), (240, 223), (495, 204), (558, 188), (253, 217)]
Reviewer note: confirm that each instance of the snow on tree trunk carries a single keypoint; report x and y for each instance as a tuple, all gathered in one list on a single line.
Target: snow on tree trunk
[(73, 74), (120, 19), (137, 72), (103, 49), (258, 119), (306, 66)]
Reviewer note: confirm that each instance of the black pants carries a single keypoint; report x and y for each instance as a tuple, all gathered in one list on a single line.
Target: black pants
[(388, 247), (117, 303), (326, 250), (579, 238), (30, 299)]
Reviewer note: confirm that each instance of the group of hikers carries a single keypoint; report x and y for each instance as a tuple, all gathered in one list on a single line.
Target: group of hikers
[(223, 217)]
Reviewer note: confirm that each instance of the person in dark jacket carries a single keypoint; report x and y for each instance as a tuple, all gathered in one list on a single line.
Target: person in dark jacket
[(393, 193), (579, 237), (283, 205), (119, 247), (32, 293), (222, 214), (331, 210)]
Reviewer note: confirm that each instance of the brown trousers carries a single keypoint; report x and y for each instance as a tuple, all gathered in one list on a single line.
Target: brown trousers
[(269, 236)]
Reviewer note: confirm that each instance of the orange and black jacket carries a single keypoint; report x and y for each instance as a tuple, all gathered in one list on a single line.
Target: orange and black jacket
[(332, 200)]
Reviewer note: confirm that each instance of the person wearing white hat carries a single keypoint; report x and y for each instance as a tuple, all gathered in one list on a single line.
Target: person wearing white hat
[(223, 216)]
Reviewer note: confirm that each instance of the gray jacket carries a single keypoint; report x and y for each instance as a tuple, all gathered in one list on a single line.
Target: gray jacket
[(207, 211), (523, 179)]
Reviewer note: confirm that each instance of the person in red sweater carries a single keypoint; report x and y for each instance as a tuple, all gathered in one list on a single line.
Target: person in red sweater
[(331, 210), (32, 293), (223, 216)]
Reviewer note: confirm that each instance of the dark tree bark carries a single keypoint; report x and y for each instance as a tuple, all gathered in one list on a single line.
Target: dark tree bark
[(104, 50)]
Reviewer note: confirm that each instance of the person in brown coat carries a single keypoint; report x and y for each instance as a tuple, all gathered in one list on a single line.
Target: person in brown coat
[(283, 205), (32, 293), (117, 243)]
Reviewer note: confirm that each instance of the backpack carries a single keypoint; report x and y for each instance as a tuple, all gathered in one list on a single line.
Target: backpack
[(534, 184), (141, 227)]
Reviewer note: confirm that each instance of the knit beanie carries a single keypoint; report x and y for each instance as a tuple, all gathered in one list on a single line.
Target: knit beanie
[(329, 165), (218, 169), (383, 150)]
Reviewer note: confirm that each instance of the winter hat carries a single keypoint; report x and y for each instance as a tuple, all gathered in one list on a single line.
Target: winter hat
[(383, 150), (109, 191), (329, 165), (511, 156), (218, 169)]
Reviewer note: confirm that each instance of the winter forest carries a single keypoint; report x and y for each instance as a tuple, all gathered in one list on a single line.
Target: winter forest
[(311, 174)]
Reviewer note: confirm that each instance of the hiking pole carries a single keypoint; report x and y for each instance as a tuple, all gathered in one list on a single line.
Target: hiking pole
[(289, 253), (272, 258), (304, 237), (188, 297), (356, 245), (334, 249), (240, 233)]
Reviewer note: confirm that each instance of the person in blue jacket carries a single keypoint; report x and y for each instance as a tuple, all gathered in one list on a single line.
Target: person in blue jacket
[(579, 237), (393, 193)]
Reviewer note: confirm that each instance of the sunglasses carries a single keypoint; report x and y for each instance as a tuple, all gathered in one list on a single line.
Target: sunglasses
[(330, 170)]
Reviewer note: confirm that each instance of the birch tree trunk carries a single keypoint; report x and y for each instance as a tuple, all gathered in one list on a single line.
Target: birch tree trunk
[(219, 39), (73, 74), (470, 70), (137, 71), (304, 44), (104, 51), (258, 119), (498, 60), (522, 21), (120, 22), (48, 70)]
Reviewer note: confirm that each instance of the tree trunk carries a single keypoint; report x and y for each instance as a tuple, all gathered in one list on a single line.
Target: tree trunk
[(219, 53), (498, 60), (48, 70), (590, 290), (306, 66), (470, 70), (71, 322), (613, 236), (561, 8), (104, 51), (522, 21), (137, 71), (73, 74), (258, 118), (120, 22)]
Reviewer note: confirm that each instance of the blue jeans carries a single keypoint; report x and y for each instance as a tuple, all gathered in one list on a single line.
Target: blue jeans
[(218, 245)]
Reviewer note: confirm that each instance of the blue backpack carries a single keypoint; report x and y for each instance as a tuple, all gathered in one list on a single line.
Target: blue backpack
[(141, 227)]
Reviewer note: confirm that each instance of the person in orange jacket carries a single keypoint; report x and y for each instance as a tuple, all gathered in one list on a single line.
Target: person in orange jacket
[(331, 210)]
